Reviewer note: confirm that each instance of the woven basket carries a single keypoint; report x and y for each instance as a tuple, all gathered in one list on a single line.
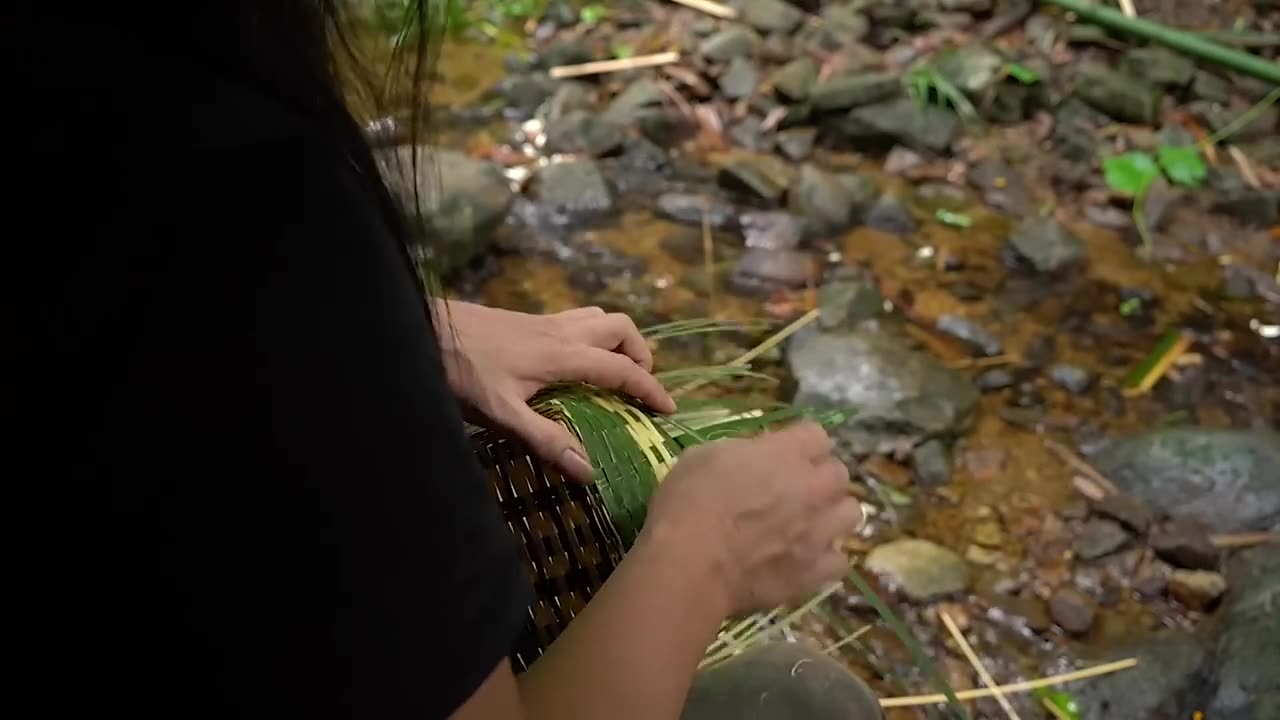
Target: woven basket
[(566, 538)]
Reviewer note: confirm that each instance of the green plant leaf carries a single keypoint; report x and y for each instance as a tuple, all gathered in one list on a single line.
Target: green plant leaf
[(592, 14), (1063, 702), (1183, 164), (623, 51), (1131, 172), (1131, 307), (1021, 73), (953, 219)]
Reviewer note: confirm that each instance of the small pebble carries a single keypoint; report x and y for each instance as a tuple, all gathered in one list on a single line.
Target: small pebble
[(1196, 589), (1072, 610), (1074, 379), (993, 379)]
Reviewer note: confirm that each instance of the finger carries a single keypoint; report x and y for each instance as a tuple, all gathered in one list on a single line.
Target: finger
[(616, 332), (843, 521), (582, 313), (807, 439), (831, 566), (550, 441), (830, 479), (615, 372)]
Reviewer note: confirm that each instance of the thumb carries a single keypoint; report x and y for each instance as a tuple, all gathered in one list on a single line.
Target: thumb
[(552, 442)]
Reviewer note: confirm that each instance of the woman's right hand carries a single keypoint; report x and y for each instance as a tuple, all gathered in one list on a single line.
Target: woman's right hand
[(770, 511)]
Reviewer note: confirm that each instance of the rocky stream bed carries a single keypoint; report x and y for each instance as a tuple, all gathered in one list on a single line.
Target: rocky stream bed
[(982, 295)]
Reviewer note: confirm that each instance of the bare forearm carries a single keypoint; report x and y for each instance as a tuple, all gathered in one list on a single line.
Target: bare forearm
[(633, 651)]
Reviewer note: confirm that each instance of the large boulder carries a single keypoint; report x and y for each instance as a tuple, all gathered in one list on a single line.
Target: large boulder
[(1248, 650), (463, 199), (1169, 681), (1227, 479)]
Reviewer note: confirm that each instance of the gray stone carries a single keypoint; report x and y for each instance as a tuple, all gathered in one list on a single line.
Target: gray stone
[(1196, 589), (1247, 686), (1256, 208), (1046, 244), (690, 208), (1126, 510), (972, 68), (902, 119), (921, 570), (843, 25), (931, 464), (889, 215), (1185, 543), (1168, 681), (796, 144), (770, 15), (1120, 96), (760, 271), (1159, 66), (828, 204), (569, 95), (899, 393), (847, 91), (582, 132), (794, 80), (848, 299), (472, 198), (1227, 479), (524, 93), (1072, 378), (968, 332), (639, 95), (1218, 116), (734, 41), (1208, 86), (994, 379), (574, 189), (771, 230), (739, 79), (748, 134), (1100, 538), (754, 178), (1072, 610)]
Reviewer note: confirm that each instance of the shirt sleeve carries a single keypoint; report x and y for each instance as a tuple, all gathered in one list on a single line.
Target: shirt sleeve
[(390, 584)]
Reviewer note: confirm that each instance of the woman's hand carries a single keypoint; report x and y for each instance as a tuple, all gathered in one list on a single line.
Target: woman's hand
[(496, 360), (770, 512)]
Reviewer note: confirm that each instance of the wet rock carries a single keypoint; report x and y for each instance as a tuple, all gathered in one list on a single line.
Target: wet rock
[(891, 14), (1029, 612), (689, 208), (739, 79), (1120, 96), (640, 156), (827, 204), (734, 41), (1072, 378), (1046, 244), (969, 333), (748, 133), (794, 80), (848, 299), (760, 271), (566, 52), (920, 569), (1208, 86), (796, 144), (754, 178), (1072, 610), (1159, 66), (1099, 538), (575, 189), (1184, 543), (1256, 208), (771, 230), (901, 119), (1246, 684), (639, 95), (900, 393), (972, 68), (582, 132), (1227, 479), (988, 534), (594, 267), (770, 15), (1002, 187), (472, 201), (993, 380), (843, 25), (1151, 581), (846, 91), (1126, 510), (524, 93), (1167, 682), (1196, 589), (889, 215), (931, 464)]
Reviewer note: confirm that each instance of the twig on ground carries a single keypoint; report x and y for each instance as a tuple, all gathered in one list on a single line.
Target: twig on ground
[(1018, 687), (710, 8), (983, 362), (1080, 465), (1246, 170), (981, 669), (600, 67), (1088, 488), (1244, 540), (846, 640), (1126, 6)]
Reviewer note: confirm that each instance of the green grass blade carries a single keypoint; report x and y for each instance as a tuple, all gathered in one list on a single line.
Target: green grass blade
[(709, 373)]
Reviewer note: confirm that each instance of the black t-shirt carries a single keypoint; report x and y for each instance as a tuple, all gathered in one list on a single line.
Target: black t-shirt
[(250, 491)]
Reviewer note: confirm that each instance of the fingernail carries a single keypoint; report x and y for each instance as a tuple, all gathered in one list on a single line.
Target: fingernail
[(577, 464)]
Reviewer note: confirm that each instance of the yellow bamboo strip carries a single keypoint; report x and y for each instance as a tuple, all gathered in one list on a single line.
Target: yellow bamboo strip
[(710, 8), (758, 350), (1019, 687), (599, 67), (977, 665)]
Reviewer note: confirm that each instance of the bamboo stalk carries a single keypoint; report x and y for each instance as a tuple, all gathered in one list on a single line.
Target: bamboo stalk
[(710, 8), (1018, 687), (1189, 43), (972, 657), (600, 67)]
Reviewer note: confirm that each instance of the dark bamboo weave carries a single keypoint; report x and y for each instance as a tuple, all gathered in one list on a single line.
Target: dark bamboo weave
[(567, 541)]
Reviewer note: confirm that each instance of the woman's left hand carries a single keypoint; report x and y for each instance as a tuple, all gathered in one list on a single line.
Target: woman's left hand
[(496, 360)]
